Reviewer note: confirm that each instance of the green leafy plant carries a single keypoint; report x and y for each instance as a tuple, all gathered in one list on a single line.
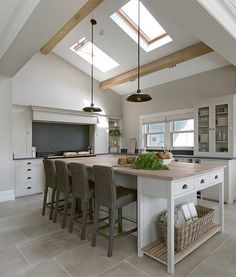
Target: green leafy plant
[(115, 133), (149, 161)]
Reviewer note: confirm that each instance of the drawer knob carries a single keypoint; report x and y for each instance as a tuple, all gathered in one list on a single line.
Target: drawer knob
[(184, 186), (28, 163), (29, 169), (29, 187), (216, 177), (202, 181), (28, 178)]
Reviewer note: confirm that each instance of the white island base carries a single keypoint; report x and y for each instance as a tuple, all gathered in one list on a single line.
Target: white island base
[(156, 195), (159, 190)]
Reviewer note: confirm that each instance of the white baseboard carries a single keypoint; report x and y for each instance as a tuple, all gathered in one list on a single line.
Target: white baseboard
[(7, 195)]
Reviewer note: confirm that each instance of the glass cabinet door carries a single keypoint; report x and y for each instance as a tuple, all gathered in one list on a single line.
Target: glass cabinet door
[(203, 129), (221, 128)]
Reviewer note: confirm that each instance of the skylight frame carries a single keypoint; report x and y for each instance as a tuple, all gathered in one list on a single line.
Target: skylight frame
[(78, 47), (134, 26), (125, 18)]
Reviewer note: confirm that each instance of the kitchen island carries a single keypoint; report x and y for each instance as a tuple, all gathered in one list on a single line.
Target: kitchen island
[(161, 190)]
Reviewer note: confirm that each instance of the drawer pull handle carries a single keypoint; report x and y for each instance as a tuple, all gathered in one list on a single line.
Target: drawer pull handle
[(184, 186), (28, 178), (29, 187), (216, 177), (29, 169), (28, 163), (202, 181)]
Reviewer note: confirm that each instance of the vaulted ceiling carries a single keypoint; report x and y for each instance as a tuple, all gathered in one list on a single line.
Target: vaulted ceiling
[(188, 22)]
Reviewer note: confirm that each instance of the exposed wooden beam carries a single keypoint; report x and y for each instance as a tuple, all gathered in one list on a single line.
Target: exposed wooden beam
[(88, 7), (171, 60)]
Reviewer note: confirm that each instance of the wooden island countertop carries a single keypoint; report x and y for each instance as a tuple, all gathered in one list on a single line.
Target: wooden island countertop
[(176, 170)]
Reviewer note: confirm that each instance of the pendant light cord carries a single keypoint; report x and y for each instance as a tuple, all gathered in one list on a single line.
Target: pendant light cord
[(138, 91), (92, 104)]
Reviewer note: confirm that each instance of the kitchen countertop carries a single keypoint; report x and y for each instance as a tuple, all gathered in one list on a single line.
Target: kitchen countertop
[(177, 170)]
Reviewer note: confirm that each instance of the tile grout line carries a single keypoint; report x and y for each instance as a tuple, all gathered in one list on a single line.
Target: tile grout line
[(212, 253), (116, 264), (24, 256), (138, 268), (67, 272)]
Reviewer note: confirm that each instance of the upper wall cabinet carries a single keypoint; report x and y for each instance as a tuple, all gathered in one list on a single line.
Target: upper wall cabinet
[(215, 127), (22, 132)]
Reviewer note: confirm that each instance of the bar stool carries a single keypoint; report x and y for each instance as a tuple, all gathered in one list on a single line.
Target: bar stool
[(50, 182), (112, 197), (82, 189), (63, 186)]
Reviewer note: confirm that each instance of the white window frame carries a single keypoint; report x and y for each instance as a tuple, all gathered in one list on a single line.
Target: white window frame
[(156, 133), (172, 132), (167, 118)]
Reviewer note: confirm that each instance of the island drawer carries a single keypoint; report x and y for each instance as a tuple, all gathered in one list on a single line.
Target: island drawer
[(28, 188), (183, 186), (29, 169), (29, 162), (29, 177)]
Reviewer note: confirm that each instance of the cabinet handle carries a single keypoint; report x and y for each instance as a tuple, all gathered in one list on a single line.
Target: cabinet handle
[(29, 169), (29, 178), (213, 129), (29, 187), (202, 181), (184, 186), (28, 163), (216, 177)]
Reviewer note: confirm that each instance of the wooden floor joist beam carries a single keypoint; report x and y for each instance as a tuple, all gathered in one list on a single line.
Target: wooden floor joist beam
[(88, 7), (171, 60)]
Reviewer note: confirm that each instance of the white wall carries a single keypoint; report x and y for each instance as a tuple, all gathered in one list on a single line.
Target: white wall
[(6, 163), (178, 94), (49, 81)]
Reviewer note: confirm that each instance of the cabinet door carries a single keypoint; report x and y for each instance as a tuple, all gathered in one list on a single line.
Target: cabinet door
[(101, 136), (223, 130), (22, 132), (203, 129)]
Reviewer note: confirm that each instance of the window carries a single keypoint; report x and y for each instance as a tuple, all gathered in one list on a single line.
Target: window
[(170, 133), (151, 32), (101, 60), (155, 135), (183, 133)]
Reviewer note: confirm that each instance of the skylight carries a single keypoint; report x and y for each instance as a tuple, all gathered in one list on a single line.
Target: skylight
[(101, 60), (151, 32)]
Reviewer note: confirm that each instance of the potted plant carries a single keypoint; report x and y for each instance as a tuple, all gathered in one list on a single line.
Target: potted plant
[(115, 133)]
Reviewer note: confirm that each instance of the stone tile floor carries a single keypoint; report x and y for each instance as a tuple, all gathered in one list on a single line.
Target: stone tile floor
[(31, 245)]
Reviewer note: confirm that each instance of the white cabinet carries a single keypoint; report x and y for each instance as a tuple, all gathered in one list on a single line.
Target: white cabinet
[(229, 180), (215, 127), (22, 132), (99, 136), (29, 177)]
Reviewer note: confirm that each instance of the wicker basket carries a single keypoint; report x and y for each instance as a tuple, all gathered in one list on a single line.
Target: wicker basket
[(193, 231)]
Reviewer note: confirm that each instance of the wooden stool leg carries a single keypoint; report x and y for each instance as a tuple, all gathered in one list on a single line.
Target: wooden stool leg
[(72, 215), (112, 220), (91, 208), (95, 224), (52, 203), (85, 211), (120, 220), (56, 206), (45, 200), (63, 224)]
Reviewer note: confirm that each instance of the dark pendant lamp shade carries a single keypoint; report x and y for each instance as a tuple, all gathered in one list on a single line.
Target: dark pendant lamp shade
[(92, 108), (138, 97)]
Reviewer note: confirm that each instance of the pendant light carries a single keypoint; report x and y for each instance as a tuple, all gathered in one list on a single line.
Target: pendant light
[(138, 96), (92, 108)]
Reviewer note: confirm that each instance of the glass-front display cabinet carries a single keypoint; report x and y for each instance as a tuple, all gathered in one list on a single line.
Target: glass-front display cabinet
[(215, 128)]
